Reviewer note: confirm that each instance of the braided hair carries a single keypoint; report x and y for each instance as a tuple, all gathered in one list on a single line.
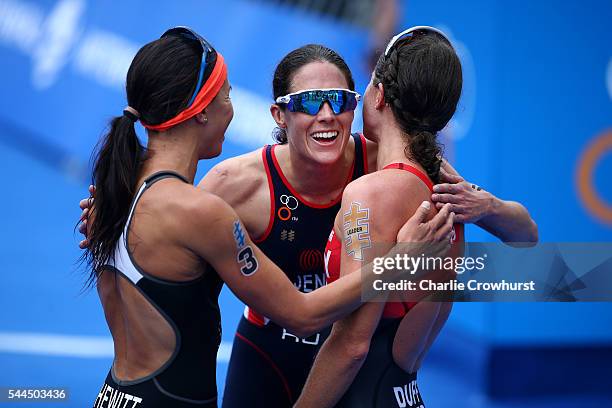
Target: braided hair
[(422, 79)]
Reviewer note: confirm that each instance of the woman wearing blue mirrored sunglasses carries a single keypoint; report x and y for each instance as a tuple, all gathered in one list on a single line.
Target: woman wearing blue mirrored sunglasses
[(289, 194)]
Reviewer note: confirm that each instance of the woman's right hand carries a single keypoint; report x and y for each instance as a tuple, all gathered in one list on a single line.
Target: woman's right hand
[(85, 205), (432, 237)]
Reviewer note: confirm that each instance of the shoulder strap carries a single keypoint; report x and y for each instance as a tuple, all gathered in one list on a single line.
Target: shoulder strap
[(413, 170), (149, 181), (361, 160)]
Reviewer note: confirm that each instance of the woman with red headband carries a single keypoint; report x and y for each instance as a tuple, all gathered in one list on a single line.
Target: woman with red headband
[(160, 249)]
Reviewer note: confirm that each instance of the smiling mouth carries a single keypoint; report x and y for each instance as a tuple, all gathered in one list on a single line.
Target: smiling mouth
[(325, 137)]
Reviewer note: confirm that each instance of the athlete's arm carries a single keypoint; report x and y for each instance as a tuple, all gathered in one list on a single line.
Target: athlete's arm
[(341, 357), (214, 232), (508, 220), (345, 350)]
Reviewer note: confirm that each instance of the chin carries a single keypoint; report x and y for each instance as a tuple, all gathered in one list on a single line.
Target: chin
[(211, 153), (369, 134), (326, 159)]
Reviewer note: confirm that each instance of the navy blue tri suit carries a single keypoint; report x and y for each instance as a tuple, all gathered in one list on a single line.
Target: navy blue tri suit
[(188, 378), (269, 365)]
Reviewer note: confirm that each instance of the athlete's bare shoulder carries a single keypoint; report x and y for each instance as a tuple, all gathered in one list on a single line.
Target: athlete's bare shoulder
[(236, 179), (243, 184), (369, 185), (181, 204), (392, 190), (170, 215), (192, 210)]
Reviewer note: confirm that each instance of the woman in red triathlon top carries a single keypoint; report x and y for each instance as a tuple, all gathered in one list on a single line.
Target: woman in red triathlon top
[(371, 357)]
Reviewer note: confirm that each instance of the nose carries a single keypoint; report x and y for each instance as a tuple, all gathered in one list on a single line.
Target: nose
[(326, 113)]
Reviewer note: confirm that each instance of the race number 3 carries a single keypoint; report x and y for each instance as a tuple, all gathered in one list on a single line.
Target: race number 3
[(247, 261), (246, 257)]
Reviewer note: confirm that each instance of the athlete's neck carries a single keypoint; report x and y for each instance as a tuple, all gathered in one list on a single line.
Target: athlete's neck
[(392, 147), (314, 181), (175, 150)]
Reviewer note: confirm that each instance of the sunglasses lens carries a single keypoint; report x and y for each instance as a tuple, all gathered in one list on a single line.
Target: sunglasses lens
[(336, 100), (310, 102)]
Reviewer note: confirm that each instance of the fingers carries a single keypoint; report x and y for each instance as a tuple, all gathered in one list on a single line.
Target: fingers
[(446, 231), (447, 177), (421, 213), (436, 222), (87, 202), (460, 218), (456, 208), (445, 198), (462, 214), (438, 248), (85, 205), (445, 188), (83, 228)]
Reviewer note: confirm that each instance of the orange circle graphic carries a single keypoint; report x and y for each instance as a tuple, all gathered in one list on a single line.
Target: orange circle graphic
[(284, 218), (584, 177)]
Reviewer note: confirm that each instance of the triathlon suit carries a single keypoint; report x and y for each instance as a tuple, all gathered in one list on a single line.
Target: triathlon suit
[(188, 378), (269, 365), (381, 382)]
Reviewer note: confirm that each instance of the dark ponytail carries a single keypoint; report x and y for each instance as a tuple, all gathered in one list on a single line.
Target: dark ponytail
[(117, 164), (422, 79), (160, 81)]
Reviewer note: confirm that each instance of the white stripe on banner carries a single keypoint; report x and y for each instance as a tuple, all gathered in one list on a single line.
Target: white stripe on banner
[(72, 346)]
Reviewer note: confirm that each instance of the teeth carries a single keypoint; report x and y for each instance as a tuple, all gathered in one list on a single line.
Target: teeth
[(325, 135)]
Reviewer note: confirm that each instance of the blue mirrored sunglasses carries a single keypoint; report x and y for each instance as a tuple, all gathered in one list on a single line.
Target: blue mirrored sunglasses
[(207, 52), (310, 101)]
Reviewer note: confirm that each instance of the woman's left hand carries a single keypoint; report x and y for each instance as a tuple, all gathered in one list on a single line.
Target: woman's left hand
[(469, 202)]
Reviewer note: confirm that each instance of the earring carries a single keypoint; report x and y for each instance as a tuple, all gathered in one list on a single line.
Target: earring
[(205, 119)]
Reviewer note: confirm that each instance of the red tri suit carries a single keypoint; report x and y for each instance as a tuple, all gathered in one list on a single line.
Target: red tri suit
[(381, 382)]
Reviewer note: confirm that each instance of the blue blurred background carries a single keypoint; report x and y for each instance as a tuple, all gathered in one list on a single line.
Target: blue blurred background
[(534, 125)]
